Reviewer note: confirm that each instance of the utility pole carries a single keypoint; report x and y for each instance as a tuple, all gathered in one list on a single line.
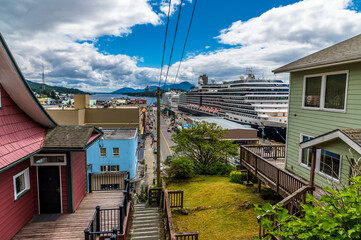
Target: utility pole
[(159, 182)]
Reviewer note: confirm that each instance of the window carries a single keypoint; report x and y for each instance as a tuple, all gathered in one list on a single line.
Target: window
[(115, 152), (21, 183), (306, 154), (329, 164), (103, 152), (108, 168), (48, 159), (326, 91)]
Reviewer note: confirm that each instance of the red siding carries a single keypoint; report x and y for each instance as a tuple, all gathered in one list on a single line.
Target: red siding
[(64, 193), (79, 177), (14, 215), (19, 134)]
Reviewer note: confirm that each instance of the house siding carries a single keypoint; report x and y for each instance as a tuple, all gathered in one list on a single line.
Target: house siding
[(79, 177), (316, 122), (15, 214)]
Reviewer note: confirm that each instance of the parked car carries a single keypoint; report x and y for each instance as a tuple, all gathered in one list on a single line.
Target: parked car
[(154, 136), (168, 130), (169, 159), (155, 150)]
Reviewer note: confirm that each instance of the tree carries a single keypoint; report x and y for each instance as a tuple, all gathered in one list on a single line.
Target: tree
[(204, 144), (53, 94), (336, 216)]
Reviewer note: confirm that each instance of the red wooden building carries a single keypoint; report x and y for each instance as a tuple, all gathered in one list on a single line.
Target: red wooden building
[(42, 165)]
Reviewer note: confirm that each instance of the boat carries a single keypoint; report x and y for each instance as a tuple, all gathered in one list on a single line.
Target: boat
[(261, 103)]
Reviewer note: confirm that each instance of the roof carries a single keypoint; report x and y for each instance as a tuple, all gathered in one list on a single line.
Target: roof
[(65, 137), (346, 51), (18, 89), (20, 136), (224, 123), (119, 133), (352, 137)]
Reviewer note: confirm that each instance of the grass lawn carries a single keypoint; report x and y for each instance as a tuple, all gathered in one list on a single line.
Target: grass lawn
[(218, 209)]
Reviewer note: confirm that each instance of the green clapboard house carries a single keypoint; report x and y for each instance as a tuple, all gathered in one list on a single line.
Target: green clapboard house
[(325, 112)]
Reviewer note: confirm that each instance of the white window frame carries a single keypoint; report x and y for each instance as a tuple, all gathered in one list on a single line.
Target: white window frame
[(108, 168), (100, 152), (318, 164), (300, 151), (33, 163), (27, 183), (116, 155), (323, 91)]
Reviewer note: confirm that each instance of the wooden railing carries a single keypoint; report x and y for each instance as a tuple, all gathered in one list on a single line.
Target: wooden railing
[(292, 203), (169, 199), (280, 180), (269, 151), (107, 221), (105, 181)]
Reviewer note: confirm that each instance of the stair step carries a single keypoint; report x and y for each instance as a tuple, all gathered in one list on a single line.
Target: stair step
[(147, 233), (146, 229), (152, 237)]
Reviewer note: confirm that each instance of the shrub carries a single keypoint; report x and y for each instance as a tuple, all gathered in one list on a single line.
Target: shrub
[(238, 176), (216, 168), (180, 168)]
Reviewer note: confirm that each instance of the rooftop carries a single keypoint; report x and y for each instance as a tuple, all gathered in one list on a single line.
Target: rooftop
[(119, 133), (346, 51), (224, 123)]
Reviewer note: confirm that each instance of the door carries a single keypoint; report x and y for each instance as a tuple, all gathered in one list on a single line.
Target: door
[(49, 189)]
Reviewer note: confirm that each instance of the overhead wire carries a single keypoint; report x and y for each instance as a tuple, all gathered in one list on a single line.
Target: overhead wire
[(185, 43), (174, 38)]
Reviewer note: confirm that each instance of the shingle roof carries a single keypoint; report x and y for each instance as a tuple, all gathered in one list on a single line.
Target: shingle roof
[(353, 134), (348, 50), (68, 137), (20, 136)]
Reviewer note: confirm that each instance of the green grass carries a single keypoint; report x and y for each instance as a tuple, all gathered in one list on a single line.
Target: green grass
[(217, 208)]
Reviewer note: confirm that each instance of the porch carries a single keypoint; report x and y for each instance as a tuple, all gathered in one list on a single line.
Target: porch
[(72, 225)]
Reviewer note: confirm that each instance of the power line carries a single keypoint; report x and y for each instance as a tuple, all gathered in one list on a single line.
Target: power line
[(174, 38), (185, 42)]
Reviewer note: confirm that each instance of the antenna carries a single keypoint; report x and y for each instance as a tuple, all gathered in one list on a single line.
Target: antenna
[(43, 77)]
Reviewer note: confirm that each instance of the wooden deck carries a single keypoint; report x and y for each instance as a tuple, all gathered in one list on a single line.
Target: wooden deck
[(71, 226)]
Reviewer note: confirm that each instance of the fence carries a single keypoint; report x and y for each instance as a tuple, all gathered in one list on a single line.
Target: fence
[(169, 199), (106, 222), (105, 181)]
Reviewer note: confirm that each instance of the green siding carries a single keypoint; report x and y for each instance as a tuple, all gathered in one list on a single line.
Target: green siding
[(317, 122)]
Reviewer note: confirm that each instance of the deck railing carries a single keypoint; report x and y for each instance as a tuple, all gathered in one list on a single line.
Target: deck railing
[(107, 221), (280, 180), (107, 181), (292, 203), (269, 151), (169, 199)]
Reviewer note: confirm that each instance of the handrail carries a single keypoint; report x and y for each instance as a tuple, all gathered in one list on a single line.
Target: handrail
[(280, 180), (292, 203)]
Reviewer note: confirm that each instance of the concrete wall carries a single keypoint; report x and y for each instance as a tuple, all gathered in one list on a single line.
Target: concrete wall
[(64, 117)]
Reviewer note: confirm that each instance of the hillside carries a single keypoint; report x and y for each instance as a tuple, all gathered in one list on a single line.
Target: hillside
[(184, 86), (37, 86)]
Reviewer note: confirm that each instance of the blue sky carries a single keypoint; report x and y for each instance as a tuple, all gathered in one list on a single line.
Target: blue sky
[(101, 46)]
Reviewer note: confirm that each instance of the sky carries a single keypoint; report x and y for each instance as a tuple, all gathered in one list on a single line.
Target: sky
[(101, 46)]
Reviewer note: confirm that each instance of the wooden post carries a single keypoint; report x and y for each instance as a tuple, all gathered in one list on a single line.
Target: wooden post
[(90, 182), (313, 165), (159, 183), (97, 226), (248, 176), (275, 156), (255, 167), (86, 234), (259, 186)]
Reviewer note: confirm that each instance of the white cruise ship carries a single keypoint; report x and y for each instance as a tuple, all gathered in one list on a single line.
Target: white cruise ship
[(261, 103)]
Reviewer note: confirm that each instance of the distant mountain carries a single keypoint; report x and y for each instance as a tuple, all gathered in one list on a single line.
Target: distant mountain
[(38, 86), (185, 86)]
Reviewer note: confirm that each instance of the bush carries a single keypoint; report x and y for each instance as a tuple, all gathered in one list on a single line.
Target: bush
[(216, 168), (180, 168), (238, 176)]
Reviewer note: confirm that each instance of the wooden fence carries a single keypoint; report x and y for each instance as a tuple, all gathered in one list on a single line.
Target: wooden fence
[(280, 180), (269, 151)]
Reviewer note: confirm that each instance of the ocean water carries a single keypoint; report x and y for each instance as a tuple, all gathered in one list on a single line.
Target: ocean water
[(106, 97)]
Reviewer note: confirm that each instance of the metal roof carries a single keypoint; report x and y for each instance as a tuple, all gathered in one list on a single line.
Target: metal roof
[(340, 53), (119, 133), (224, 123), (15, 85)]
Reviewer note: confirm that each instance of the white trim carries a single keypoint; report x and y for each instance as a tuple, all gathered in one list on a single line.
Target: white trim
[(37, 183), (301, 149), (323, 91), (319, 66), (32, 163), (27, 182)]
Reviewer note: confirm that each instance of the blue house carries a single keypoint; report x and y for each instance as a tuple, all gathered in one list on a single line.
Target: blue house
[(117, 150)]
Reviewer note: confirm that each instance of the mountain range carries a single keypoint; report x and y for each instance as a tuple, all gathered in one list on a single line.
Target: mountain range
[(185, 86), (38, 86)]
